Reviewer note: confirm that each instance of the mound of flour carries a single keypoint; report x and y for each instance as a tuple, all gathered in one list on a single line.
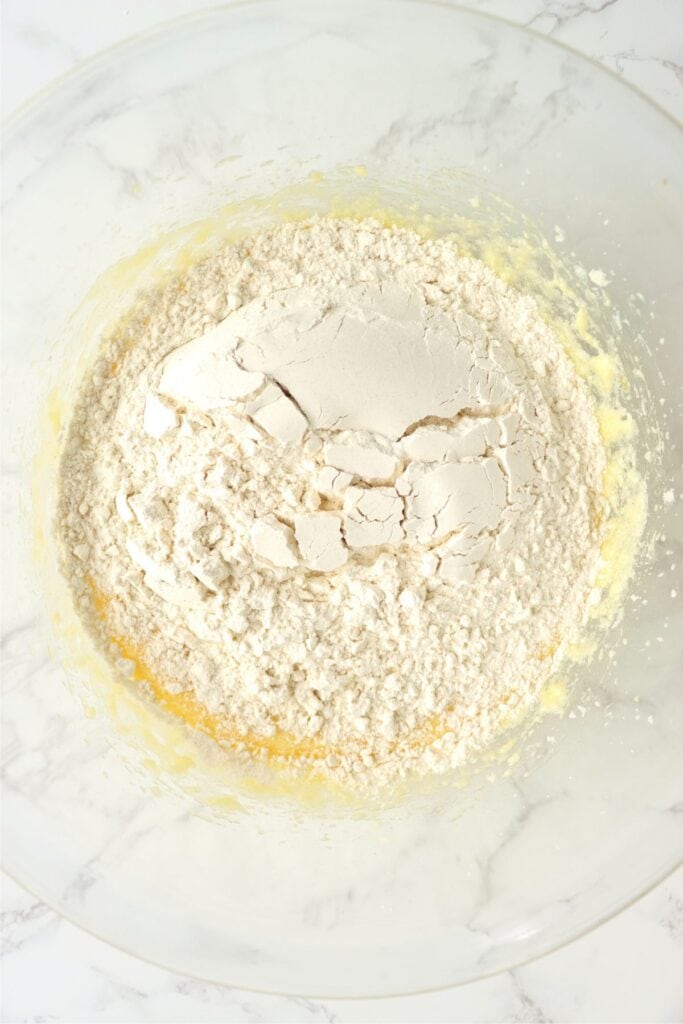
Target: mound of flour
[(342, 483)]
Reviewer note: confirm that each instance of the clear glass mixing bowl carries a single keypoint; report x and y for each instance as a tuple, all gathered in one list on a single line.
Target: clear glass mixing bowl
[(469, 879)]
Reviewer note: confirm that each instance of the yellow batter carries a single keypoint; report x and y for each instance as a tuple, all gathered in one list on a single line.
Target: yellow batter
[(520, 262)]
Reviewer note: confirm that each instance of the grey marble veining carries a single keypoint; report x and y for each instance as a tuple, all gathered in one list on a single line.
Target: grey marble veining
[(628, 969)]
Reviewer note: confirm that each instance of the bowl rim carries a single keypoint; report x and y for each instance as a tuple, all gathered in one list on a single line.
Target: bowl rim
[(12, 121), (513, 964), (168, 25)]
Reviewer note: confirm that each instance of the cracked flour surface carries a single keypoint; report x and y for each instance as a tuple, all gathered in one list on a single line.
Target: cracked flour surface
[(341, 488)]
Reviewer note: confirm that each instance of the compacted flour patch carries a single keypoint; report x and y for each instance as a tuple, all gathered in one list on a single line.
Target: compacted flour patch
[(340, 488)]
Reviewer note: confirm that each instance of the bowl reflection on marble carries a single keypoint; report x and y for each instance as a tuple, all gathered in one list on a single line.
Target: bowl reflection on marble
[(256, 890)]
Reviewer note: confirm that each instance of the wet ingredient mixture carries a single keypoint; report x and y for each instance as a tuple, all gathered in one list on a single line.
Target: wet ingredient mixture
[(334, 496)]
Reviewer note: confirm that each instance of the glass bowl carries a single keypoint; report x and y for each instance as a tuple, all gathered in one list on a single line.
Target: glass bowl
[(456, 113)]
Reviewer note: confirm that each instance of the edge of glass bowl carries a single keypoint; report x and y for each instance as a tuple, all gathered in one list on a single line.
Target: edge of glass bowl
[(8, 121), (148, 35)]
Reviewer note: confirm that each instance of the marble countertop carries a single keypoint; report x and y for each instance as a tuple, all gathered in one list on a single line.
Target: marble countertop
[(629, 969)]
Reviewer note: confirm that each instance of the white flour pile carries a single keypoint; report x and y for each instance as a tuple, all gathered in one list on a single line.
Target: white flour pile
[(340, 483)]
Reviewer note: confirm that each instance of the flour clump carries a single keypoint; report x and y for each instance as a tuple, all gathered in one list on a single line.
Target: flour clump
[(357, 506)]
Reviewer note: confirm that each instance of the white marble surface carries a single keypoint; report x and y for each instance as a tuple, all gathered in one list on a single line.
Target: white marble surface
[(629, 969)]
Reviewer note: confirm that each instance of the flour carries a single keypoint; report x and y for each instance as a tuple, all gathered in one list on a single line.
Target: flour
[(342, 484)]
